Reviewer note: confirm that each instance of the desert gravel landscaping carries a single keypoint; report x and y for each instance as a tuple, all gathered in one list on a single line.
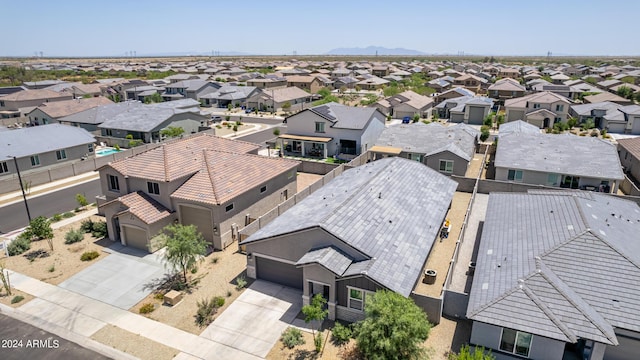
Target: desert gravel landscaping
[(134, 344), (216, 279), (6, 299), (60, 264)]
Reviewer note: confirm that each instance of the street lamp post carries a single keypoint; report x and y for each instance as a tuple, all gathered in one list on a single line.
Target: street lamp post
[(24, 196)]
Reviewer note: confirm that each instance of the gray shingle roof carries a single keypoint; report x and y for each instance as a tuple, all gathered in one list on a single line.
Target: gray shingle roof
[(559, 154), (373, 209), (330, 257), (41, 139), (431, 138), (547, 260), (611, 110), (100, 114), (518, 126), (145, 118), (346, 117)]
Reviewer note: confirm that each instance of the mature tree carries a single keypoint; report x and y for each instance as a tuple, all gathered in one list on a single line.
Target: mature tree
[(625, 92), (394, 328), (172, 131), (465, 353), (81, 200), (391, 90), (154, 98), (315, 311), (185, 247)]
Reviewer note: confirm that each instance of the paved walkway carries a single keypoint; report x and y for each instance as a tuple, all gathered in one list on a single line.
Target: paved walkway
[(84, 316)]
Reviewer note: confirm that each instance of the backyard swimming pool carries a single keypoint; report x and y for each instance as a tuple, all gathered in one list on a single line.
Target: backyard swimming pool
[(106, 151)]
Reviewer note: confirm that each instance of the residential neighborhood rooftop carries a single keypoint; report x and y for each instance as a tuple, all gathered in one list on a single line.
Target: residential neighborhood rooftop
[(41, 139)]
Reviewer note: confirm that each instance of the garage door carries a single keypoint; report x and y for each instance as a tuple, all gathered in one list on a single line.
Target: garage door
[(201, 218), (476, 115), (628, 348), (635, 128), (136, 238), (279, 272)]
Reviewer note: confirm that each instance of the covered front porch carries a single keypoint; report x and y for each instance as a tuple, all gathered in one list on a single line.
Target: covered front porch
[(305, 146)]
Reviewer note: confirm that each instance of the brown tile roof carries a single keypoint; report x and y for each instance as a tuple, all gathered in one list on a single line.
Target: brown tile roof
[(176, 159), (631, 145), (34, 95), (144, 207), (227, 175), (58, 109)]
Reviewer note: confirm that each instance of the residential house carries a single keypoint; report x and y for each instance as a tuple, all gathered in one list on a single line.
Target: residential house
[(605, 115), (608, 84), (229, 95), (407, 103), (372, 83), (541, 109), (181, 77), (11, 104), (191, 89), (565, 161), (346, 82), (145, 122), (632, 119), (439, 85), (39, 85), (559, 79), (467, 109), (453, 93), (357, 234), (556, 277), (90, 119), (506, 88), (607, 96), (494, 71), (141, 93), (380, 71), (341, 72), (305, 82), (216, 184), (49, 113), (518, 126), (629, 153), (508, 73), (41, 146), (471, 82), (447, 149), (273, 82), (80, 90), (276, 99), (332, 130)]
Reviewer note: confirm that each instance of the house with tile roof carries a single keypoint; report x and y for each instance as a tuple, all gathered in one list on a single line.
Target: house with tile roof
[(564, 160), (557, 276), (228, 95), (189, 89), (541, 109), (605, 115), (465, 109), (27, 99), (39, 146), (357, 234), (51, 112), (407, 103), (506, 88), (453, 93), (218, 185), (447, 149), (331, 130), (632, 119), (275, 99)]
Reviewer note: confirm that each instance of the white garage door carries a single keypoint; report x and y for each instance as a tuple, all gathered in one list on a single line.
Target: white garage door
[(136, 238)]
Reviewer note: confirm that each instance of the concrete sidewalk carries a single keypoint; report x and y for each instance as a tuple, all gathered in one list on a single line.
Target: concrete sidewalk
[(84, 316), (16, 196)]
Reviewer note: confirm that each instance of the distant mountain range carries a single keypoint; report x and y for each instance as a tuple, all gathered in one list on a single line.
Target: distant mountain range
[(373, 50), (194, 53)]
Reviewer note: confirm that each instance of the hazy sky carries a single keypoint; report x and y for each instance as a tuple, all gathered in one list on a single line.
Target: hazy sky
[(278, 27)]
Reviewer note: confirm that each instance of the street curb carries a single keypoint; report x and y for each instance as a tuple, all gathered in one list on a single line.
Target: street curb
[(68, 335)]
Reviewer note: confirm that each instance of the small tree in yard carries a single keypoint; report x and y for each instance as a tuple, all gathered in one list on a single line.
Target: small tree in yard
[(185, 246), (276, 132), (286, 106), (416, 118), (172, 131), (40, 228), (81, 200), (394, 328), (315, 311), (466, 354)]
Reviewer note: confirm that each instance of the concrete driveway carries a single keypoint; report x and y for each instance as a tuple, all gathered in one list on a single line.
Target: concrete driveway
[(256, 319), (120, 278)]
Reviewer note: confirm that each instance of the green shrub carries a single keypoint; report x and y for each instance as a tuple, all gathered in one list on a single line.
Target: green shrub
[(340, 334), (129, 137), (241, 282), (87, 226), (215, 259), (158, 296), (73, 236), (16, 299), (117, 147), (19, 245), (147, 308), (99, 229), (89, 255), (51, 268), (292, 337), (484, 134), (318, 342), (229, 293), (206, 309), (194, 270), (56, 218), (219, 301), (68, 214)]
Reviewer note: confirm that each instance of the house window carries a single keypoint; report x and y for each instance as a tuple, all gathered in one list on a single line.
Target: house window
[(35, 160), (291, 173), (515, 175), (113, 183), (552, 179), (90, 148), (515, 342), (319, 127), (61, 154), (3, 167), (536, 106), (109, 132), (263, 189), (559, 107), (153, 188), (357, 298), (229, 207), (446, 166)]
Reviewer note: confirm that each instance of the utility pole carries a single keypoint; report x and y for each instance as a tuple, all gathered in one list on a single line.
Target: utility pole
[(24, 196)]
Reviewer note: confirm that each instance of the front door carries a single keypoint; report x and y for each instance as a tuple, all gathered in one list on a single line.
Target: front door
[(116, 229)]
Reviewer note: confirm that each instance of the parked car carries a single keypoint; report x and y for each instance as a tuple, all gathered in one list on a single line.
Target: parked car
[(248, 111), (216, 118)]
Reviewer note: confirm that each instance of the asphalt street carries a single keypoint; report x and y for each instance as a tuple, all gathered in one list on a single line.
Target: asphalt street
[(19, 340), (261, 136), (14, 216)]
